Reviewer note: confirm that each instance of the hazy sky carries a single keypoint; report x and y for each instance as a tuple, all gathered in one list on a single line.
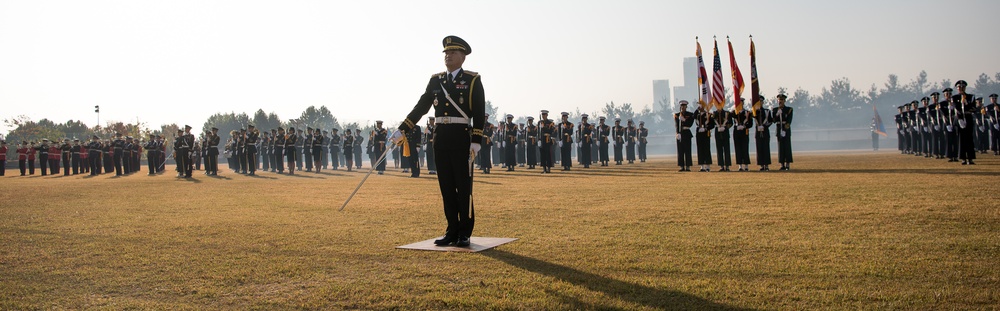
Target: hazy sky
[(181, 61)]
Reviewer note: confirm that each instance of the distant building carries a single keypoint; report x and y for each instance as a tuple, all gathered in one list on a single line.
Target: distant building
[(688, 91), (661, 93)]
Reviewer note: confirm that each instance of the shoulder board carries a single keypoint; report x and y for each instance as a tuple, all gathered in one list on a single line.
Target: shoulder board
[(439, 74), (471, 73)]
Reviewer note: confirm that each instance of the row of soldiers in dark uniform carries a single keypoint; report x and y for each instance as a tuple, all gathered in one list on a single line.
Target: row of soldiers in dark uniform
[(720, 122), (952, 128), (512, 144), (121, 155)]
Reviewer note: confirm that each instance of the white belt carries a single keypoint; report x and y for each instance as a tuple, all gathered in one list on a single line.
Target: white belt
[(451, 120)]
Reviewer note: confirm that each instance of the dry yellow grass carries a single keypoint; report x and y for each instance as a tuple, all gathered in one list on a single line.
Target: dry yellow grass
[(841, 231)]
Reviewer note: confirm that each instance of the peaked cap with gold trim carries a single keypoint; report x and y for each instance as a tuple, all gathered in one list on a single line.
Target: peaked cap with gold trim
[(456, 43)]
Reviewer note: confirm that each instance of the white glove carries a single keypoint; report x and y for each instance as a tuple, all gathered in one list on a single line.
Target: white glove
[(996, 126), (937, 127), (560, 144), (425, 146), (760, 128), (677, 136), (949, 127), (982, 128), (740, 127), (782, 134), (474, 148), (720, 130), (574, 145), (501, 144), (418, 149), (396, 137), (539, 143), (701, 129), (961, 123)]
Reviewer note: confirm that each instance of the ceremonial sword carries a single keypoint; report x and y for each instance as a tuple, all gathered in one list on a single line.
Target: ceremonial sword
[(374, 165)]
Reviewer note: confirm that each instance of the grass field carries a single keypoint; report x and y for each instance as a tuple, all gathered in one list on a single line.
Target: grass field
[(840, 231)]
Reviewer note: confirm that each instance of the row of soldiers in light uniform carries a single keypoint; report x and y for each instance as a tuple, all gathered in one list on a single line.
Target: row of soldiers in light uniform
[(954, 128), (720, 122), (121, 155), (530, 144)]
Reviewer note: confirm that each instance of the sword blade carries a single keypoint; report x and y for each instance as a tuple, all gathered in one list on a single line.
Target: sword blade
[(374, 165)]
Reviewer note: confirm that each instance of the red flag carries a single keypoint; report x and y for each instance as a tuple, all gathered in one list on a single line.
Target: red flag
[(754, 87), (703, 99), (737, 79), (718, 88)]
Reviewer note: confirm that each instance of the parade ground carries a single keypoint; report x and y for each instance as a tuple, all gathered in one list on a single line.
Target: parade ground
[(841, 231)]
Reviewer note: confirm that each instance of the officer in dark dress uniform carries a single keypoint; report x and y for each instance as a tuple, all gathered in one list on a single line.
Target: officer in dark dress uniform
[(531, 143), (762, 137), (643, 140), (188, 144), (290, 145), (547, 138), (325, 148), (631, 138), (413, 143), (683, 121), (349, 149), (43, 157), (317, 149), (782, 116), (900, 130), (151, 155), (378, 140), (212, 152), (934, 114), (522, 139), (723, 120), (119, 145), (924, 126), (94, 149), (618, 134), (66, 151), (307, 153), (76, 163), (459, 103), (982, 128), (585, 137), (359, 143), (250, 145), (965, 115), (566, 142), (951, 111)]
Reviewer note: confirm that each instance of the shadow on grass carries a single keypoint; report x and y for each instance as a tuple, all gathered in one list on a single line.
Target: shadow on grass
[(886, 171), (644, 295)]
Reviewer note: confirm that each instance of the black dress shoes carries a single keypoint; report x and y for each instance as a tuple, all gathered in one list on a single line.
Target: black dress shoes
[(462, 242), (446, 240)]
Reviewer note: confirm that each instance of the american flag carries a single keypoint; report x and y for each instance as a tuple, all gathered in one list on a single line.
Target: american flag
[(718, 89), (737, 79), (703, 99)]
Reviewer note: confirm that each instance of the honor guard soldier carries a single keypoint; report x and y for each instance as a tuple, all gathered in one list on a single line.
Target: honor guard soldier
[(486, 157), (94, 154), (359, 142), (531, 143), (547, 139), (413, 138), (900, 130), (914, 128), (428, 140), (188, 144), (3, 157), (22, 156), (279, 151), (762, 137), (510, 143), (952, 113), (631, 138), (348, 149), (934, 119), (703, 137), (317, 149), (723, 120), (325, 149), (118, 145), (566, 142), (966, 110), (291, 143), (43, 157), (923, 118), (179, 150), (67, 155), (585, 133), (982, 133), (643, 140), (783, 119), (212, 152), (32, 151), (618, 132), (251, 140), (151, 155), (307, 148), (76, 161), (264, 151), (335, 152), (459, 103), (522, 138), (127, 166), (993, 115), (136, 154), (54, 158), (683, 121), (743, 121), (603, 139), (379, 136)]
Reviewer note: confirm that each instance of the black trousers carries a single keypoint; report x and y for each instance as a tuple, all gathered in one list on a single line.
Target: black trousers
[(642, 151), (704, 145), (127, 162), (951, 139), (455, 180), (510, 157), (76, 163), (414, 160), (348, 159), (566, 154), (212, 160), (928, 143), (630, 151), (602, 152), (785, 147), (308, 155), (53, 166), (995, 139), (763, 142), (485, 157), (723, 153), (967, 143), (684, 149), (151, 161), (68, 161), (585, 153), (431, 158), (118, 162), (546, 155), (335, 156), (290, 156), (278, 160), (317, 157), (741, 142), (251, 158), (618, 152), (3, 167), (31, 167), (42, 163)]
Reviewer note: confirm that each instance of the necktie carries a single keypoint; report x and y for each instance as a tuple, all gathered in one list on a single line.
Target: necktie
[(450, 78)]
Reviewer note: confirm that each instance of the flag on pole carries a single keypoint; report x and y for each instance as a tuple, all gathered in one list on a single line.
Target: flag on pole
[(754, 87), (737, 80), (703, 99), (718, 87), (877, 125)]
